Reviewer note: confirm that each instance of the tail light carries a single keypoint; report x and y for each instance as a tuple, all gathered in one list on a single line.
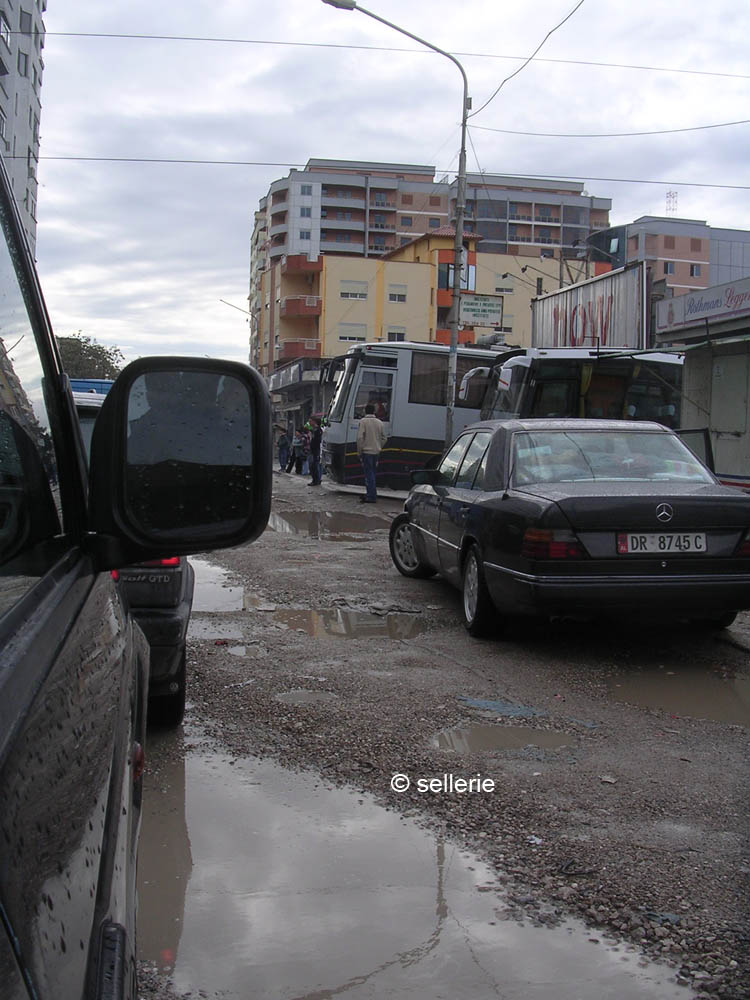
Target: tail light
[(172, 561), (743, 549), (543, 543)]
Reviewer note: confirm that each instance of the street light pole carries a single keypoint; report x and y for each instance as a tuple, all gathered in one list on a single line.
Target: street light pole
[(458, 243)]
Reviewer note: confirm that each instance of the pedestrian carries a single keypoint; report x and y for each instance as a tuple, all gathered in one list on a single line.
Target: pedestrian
[(316, 440), (371, 438), (283, 446), (297, 457)]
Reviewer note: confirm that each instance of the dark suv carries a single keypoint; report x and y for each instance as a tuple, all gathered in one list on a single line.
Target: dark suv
[(180, 463), (160, 596)]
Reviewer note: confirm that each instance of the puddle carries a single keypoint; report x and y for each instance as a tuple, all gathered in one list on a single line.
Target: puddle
[(696, 694), (333, 526), (212, 592), (200, 628), (476, 737), (254, 879), (350, 624), (302, 697)]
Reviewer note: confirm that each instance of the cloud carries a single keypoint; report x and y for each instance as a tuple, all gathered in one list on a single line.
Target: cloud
[(140, 254)]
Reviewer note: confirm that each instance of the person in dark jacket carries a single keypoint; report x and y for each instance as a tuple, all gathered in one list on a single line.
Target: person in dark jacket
[(316, 439)]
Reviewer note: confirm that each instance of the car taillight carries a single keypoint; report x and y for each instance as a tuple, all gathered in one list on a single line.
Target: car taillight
[(543, 543), (172, 561), (743, 549), (115, 574)]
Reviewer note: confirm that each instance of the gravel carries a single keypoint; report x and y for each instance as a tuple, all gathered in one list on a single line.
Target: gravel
[(638, 823)]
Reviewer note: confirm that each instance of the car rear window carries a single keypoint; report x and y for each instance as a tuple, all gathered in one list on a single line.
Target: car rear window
[(612, 455)]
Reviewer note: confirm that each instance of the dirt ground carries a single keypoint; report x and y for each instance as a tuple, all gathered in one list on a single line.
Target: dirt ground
[(619, 753)]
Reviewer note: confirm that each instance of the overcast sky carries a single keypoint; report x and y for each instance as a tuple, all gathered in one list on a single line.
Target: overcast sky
[(140, 254)]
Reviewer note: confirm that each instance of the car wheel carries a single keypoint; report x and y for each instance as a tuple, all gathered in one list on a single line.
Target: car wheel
[(169, 709), (403, 551), (480, 616)]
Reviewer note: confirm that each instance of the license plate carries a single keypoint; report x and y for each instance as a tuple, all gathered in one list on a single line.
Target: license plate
[(652, 543)]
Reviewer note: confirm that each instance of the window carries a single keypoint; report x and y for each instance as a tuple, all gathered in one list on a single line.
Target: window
[(304, 234), (406, 220), (305, 212), (396, 333), (434, 199), (429, 377), (407, 199), (471, 462), (695, 270), (452, 460), (343, 215), (696, 246), (669, 267), (306, 189), (352, 331), (376, 388), (669, 242), (28, 472), (23, 64), (343, 237), (504, 284), (25, 22), (4, 30), (397, 293), (434, 224), (353, 289), (3, 124)]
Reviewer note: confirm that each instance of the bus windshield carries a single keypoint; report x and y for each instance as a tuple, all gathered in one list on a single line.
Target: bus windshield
[(338, 403), (632, 388)]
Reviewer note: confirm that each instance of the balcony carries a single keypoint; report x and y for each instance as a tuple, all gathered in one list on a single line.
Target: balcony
[(388, 205), (354, 225), (281, 229), (290, 350), (333, 200), (300, 306), (384, 227), (298, 263), (542, 220), (336, 246)]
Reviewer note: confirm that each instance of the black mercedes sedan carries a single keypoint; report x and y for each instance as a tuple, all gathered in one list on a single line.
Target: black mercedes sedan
[(577, 518)]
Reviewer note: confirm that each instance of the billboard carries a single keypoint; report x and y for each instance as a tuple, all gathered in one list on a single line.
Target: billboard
[(480, 310), (608, 311), (722, 303)]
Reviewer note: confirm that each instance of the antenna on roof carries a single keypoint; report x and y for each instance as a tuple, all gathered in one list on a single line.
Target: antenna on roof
[(671, 202)]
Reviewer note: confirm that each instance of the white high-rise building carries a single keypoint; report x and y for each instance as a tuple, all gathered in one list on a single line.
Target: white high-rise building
[(21, 68)]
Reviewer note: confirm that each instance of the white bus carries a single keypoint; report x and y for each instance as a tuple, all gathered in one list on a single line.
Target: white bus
[(579, 382), (406, 383)]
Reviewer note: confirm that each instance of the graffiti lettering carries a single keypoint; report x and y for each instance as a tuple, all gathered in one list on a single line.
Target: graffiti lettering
[(586, 323)]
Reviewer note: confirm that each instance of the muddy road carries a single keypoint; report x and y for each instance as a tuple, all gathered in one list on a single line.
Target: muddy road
[(364, 801)]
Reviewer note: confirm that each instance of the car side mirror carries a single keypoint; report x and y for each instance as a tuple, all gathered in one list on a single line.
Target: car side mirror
[(428, 477), (181, 460)]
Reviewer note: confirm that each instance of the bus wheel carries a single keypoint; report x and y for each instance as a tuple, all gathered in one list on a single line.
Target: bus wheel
[(480, 617), (403, 552)]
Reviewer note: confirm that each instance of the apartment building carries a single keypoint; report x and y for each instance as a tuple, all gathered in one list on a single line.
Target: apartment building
[(684, 254), (353, 209), (21, 68)]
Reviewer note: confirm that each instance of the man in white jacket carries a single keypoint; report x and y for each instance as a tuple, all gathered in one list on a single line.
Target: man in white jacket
[(371, 438)]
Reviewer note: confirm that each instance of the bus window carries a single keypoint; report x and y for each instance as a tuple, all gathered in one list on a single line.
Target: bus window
[(343, 389), (508, 382), (375, 387), (554, 399)]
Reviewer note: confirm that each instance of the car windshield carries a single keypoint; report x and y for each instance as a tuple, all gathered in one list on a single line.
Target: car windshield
[(552, 456)]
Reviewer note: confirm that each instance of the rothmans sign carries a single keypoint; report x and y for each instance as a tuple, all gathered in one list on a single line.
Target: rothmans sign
[(717, 305)]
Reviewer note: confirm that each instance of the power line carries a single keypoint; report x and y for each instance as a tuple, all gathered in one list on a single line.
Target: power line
[(525, 64), (439, 170), (386, 48), (608, 135)]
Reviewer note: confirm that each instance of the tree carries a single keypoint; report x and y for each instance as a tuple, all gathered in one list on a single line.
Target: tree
[(83, 357)]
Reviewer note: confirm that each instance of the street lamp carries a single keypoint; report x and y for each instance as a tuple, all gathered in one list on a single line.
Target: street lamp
[(458, 244)]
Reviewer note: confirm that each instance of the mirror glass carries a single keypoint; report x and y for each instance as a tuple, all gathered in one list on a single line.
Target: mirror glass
[(189, 452)]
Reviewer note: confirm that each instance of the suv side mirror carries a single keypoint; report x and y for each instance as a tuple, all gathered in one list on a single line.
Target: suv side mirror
[(181, 460)]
